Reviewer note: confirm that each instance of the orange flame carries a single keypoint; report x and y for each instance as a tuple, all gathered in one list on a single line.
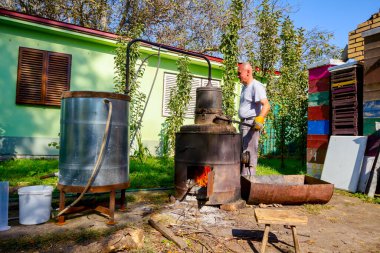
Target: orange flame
[(201, 176)]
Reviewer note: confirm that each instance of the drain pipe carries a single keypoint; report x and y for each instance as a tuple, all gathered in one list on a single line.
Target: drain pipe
[(96, 168)]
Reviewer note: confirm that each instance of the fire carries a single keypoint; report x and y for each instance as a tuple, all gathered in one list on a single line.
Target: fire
[(201, 176)]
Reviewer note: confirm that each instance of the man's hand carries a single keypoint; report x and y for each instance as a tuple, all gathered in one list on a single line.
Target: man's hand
[(259, 123)]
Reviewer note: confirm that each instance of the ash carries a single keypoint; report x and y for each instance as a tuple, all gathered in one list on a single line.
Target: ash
[(190, 212)]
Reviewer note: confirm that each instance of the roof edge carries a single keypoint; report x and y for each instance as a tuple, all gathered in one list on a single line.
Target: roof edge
[(72, 27)]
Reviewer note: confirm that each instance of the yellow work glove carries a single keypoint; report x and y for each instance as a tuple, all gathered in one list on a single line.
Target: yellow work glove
[(259, 123)]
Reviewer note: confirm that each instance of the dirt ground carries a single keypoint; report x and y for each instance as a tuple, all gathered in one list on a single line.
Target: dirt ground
[(345, 224)]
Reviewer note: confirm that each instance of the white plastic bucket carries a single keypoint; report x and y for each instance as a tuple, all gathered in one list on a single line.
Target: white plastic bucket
[(4, 199), (34, 204)]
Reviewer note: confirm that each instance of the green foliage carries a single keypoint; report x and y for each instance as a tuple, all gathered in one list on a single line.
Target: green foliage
[(138, 98), (290, 93), (317, 46), (54, 144), (178, 102), (229, 49), (267, 24), (141, 152)]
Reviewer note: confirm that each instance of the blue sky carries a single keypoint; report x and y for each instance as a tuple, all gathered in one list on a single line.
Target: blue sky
[(337, 16)]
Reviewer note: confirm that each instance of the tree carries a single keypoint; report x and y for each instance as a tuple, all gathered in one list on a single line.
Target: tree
[(290, 93), (230, 51)]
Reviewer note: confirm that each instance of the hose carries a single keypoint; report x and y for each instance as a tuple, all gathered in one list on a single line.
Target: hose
[(150, 92), (98, 161)]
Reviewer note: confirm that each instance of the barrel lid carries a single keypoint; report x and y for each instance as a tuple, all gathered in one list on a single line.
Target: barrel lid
[(209, 88), (94, 94)]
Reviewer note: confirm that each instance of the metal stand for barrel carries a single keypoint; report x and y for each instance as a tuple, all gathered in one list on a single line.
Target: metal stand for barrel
[(110, 211)]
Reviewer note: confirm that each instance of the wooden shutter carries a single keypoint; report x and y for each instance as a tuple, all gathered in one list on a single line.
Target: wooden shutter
[(42, 76), (58, 77), (30, 76)]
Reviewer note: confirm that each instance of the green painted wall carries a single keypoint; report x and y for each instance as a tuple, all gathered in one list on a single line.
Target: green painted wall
[(27, 129)]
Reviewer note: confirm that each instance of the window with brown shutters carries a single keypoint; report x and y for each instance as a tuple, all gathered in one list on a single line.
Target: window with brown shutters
[(42, 76)]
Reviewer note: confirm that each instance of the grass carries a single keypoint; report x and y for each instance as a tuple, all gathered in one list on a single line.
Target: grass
[(24, 172), (363, 197), (48, 240), (315, 208), (152, 173), (272, 166)]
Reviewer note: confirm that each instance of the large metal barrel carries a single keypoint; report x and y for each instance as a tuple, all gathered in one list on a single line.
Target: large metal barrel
[(83, 122)]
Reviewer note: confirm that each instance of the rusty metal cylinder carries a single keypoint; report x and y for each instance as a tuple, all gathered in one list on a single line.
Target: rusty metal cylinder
[(208, 104), (83, 122)]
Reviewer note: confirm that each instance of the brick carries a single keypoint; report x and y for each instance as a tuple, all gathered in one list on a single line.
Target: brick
[(351, 50), (350, 42), (360, 58), (354, 36), (365, 23), (359, 39), (359, 48), (357, 44), (355, 54), (375, 25), (376, 20), (352, 33), (365, 28)]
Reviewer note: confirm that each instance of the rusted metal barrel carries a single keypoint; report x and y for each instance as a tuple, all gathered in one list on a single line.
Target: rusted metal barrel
[(289, 189), (83, 120), (208, 104)]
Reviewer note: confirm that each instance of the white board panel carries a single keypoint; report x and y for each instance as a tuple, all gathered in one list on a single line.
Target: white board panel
[(343, 161)]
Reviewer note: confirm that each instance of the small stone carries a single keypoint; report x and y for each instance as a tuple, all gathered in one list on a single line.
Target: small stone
[(234, 206), (172, 199), (263, 205)]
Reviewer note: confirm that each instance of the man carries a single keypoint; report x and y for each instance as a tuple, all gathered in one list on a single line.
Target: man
[(254, 106)]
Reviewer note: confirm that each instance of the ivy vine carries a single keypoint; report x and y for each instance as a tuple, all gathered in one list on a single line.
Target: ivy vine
[(229, 49), (178, 102)]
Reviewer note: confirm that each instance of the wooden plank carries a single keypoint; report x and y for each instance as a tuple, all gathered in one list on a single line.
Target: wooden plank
[(343, 83), (319, 85), (316, 155), (167, 233), (282, 217), (371, 95), (318, 127), (317, 141), (314, 169), (371, 109), (319, 98), (370, 125), (319, 72), (318, 112)]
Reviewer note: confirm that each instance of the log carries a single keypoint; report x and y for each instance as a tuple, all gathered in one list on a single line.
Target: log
[(167, 233)]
